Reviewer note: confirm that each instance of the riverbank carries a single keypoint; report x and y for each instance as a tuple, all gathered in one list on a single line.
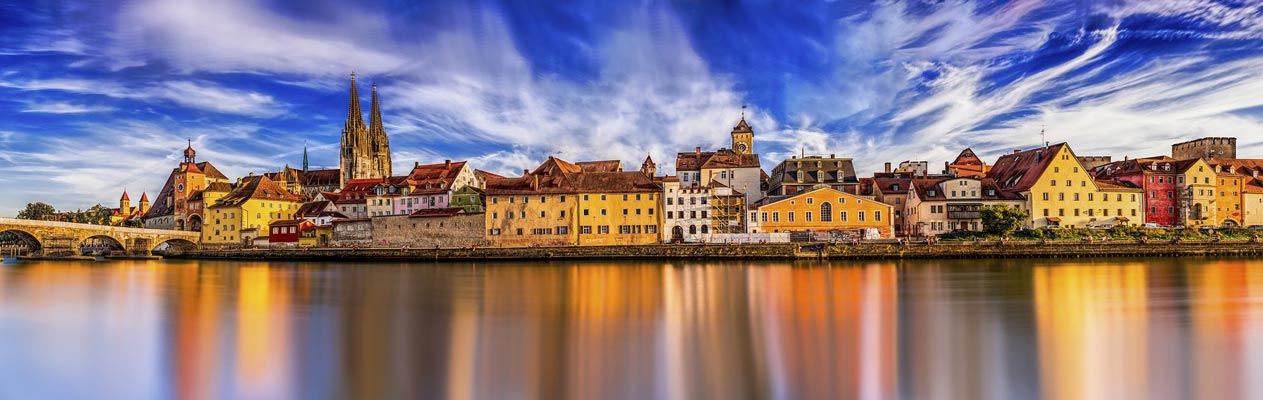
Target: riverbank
[(861, 251)]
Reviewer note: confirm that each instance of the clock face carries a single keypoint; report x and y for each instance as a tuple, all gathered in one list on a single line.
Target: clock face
[(179, 187), (742, 147)]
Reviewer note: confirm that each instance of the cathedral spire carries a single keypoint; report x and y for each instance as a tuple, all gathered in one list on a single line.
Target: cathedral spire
[(377, 136), (305, 156), (354, 116)]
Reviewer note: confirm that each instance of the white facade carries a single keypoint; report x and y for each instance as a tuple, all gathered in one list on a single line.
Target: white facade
[(685, 212)]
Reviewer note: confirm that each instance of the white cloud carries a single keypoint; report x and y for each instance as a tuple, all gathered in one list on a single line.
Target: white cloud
[(192, 94), (64, 108)]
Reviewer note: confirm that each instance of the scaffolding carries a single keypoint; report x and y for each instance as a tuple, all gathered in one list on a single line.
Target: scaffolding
[(728, 212)]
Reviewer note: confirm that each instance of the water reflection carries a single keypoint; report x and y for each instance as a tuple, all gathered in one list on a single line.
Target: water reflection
[(929, 329)]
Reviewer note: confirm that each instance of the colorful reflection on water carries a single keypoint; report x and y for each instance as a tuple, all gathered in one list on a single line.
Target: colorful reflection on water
[(1108, 329)]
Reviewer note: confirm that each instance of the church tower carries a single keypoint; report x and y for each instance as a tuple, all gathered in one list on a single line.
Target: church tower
[(365, 149), (377, 136), (743, 137)]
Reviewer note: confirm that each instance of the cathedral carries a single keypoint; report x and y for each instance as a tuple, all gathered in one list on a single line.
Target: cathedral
[(365, 150)]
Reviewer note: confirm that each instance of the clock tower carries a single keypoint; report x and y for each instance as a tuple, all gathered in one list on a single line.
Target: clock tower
[(743, 137)]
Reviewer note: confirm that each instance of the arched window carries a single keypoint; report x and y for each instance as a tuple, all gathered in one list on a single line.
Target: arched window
[(705, 228), (692, 229), (826, 212)]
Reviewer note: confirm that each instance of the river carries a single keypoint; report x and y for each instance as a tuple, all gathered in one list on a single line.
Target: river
[(924, 329)]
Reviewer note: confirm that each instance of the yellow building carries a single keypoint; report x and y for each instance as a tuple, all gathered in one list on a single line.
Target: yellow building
[(567, 204), (1058, 190), (1252, 203), (1196, 185), (251, 206), (1228, 202), (824, 209), (617, 208)]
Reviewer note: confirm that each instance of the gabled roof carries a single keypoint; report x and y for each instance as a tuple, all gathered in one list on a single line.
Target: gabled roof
[(988, 191), (601, 166), (724, 158), (320, 177), (222, 187), (313, 208), (1146, 165), (1019, 171), (357, 190), (1117, 186), (210, 170), (486, 175), (255, 188), (967, 157), (161, 208)]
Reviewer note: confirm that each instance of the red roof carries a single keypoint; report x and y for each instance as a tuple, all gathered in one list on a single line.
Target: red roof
[(125, 197), (1019, 171), (256, 187)]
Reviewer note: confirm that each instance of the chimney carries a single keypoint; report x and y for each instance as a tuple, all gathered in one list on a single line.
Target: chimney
[(416, 164), (887, 167), (947, 167), (698, 152), (832, 156), (1017, 151), (526, 172), (447, 164)]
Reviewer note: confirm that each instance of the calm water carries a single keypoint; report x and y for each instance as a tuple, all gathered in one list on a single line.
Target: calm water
[(1108, 329)]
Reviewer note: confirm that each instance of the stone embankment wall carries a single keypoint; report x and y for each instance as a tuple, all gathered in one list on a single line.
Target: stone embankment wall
[(461, 230), (756, 251)]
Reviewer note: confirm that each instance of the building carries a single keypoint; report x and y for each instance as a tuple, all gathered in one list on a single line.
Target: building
[(968, 165), (198, 201), (562, 203), (449, 227), (892, 188), (171, 207), (826, 210), (365, 149), (1058, 191), (537, 209), (431, 186), (936, 206), (1196, 191), (1252, 203), (1156, 177), (316, 236), (1206, 148), (1091, 162), (470, 198), (286, 232), (352, 201), (125, 214), (246, 212), (738, 168), (797, 175), (914, 168)]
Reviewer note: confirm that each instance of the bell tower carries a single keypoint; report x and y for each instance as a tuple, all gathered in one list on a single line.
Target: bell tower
[(743, 136)]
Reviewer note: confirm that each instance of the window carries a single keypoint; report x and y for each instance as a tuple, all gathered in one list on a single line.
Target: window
[(603, 229), (826, 212), (810, 200), (1045, 196), (705, 228), (791, 216), (542, 215), (703, 213), (776, 216), (807, 216), (603, 211), (1061, 196), (764, 216), (585, 212), (669, 201), (586, 229), (861, 216), (843, 215), (877, 216)]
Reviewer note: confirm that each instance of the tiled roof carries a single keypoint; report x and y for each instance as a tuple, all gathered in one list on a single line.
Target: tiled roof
[(255, 187), (1243, 166), (289, 222), (888, 185), (161, 208), (210, 170), (1117, 186), (1019, 171), (486, 175), (313, 208), (220, 187), (558, 176), (1134, 166), (724, 158), (967, 157), (320, 177), (601, 166), (989, 190), (357, 190)]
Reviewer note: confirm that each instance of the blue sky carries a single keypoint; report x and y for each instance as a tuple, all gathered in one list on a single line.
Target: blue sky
[(100, 96)]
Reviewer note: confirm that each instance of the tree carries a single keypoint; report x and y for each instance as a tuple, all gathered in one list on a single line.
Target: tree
[(99, 215), (1002, 219), (37, 211), (8, 237)]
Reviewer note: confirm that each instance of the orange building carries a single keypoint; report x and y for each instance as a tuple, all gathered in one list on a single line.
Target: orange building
[(968, 165), (824, 209)]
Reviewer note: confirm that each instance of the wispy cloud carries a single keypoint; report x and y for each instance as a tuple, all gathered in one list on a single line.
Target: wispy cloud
[(191, 94), (64, 108)]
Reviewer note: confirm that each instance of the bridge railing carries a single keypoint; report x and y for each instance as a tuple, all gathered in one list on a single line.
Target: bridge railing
[(104, 228)]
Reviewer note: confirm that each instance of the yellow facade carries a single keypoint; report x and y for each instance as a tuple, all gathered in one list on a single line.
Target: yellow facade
[(1228, 201), (1252, 203), (1197, 186), (522, 220), (826, 209), (224, 223), (619, 218), (1065, 195)]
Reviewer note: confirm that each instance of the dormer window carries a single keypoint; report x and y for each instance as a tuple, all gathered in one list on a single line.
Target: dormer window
[(931, 192)]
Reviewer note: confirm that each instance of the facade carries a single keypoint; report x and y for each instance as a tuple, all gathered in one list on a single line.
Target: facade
[(735, 168), (469, 198), (968, 165), (1228, 203), (797, 175), (892, 188), (1058, 191), (562, 203), (247, 211), (199, 200), (435, 227), (1252, 203), (172, 209), (825, 210), (431, 186), (1156, 177), (1205, 148), (286, 232), (936, 206), (365, 149), (353, 199), (1196, 189)]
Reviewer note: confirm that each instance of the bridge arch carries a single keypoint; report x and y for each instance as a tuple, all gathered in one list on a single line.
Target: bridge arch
[(102, 242), (177, 244), (26, 238)]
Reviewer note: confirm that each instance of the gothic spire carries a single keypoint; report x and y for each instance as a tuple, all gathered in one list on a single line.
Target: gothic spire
[(354, 116), (305, 156), (375, 129)]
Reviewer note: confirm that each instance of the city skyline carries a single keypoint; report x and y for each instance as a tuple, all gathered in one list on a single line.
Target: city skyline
[(505, 86)]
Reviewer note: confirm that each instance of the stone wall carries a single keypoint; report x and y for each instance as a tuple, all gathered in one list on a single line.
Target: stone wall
[(1205, 148), (352, 233), (461, 230)]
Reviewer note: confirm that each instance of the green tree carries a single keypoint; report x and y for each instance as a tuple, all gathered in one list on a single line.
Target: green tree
[(37, 211), (99, 215), (8, 237), (1002, 219)]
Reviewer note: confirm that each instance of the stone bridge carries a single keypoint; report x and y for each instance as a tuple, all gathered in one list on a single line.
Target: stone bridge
[(47, 238)]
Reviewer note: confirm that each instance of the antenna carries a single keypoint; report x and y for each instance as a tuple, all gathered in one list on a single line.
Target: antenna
[(1042, 136)]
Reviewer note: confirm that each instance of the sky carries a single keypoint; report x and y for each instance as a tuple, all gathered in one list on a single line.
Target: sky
[(100, 97)]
